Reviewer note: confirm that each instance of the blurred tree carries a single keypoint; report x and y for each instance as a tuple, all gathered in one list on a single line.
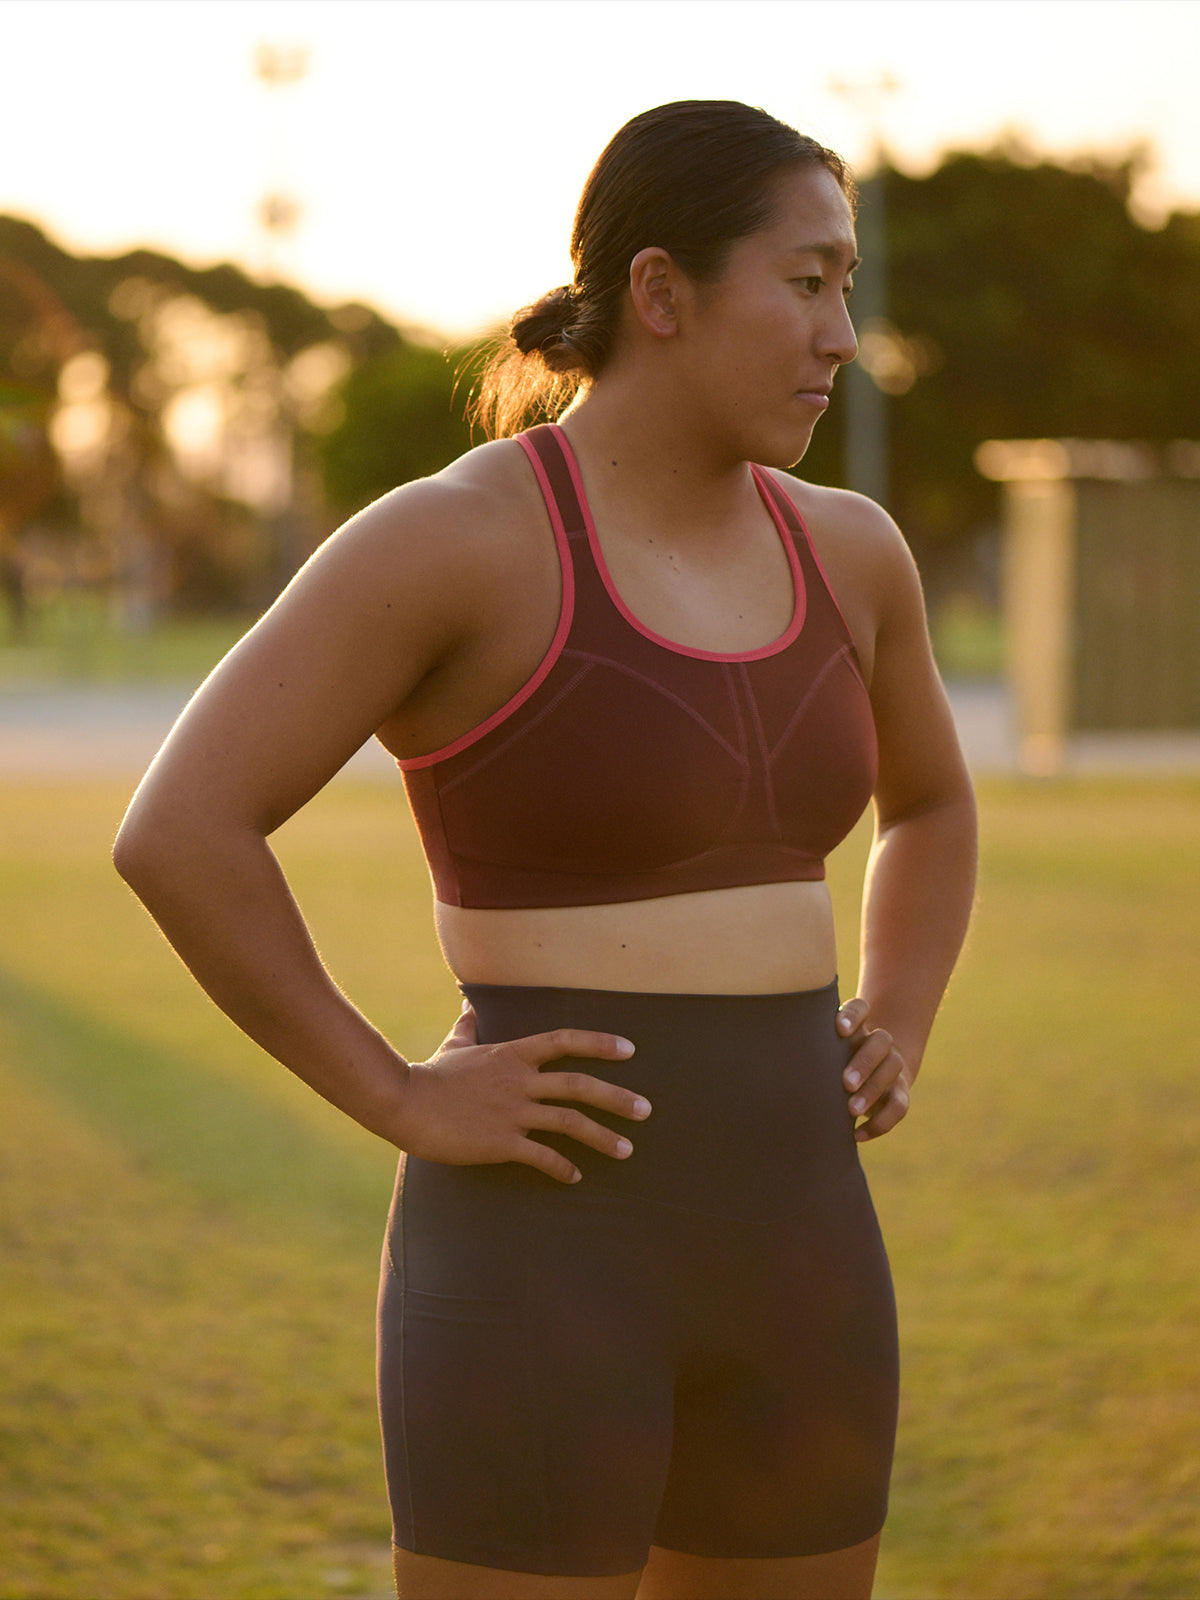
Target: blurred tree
[(181, 404), (37, 334), (207, 425), (1024, 301), (401, 419)]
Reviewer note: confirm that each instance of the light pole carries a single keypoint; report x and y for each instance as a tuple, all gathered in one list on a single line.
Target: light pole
[(278, 67), (866, 441)]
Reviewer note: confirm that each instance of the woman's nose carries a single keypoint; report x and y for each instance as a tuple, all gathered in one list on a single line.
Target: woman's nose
[(840, 343)]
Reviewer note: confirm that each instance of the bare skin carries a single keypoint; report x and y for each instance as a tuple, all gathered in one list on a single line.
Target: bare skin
[(429, 610), (668, 1575)]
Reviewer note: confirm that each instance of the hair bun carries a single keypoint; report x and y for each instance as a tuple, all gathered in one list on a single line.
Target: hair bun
[(542, 327)]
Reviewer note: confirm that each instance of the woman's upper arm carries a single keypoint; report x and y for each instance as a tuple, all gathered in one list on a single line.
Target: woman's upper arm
[(875, 580), (920, 760), (341, 650)]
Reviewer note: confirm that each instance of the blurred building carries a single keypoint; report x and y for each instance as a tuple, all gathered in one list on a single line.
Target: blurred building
[(1101, 588)]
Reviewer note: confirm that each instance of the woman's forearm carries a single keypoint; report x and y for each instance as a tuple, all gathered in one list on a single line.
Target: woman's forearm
[(222, 901), (919, 891)]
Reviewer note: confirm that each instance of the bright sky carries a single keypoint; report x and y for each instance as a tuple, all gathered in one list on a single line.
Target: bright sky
[(437, 147)]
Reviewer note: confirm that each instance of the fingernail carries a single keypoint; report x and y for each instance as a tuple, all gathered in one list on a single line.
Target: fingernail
[(858, 1105), (624, 1047), (853, 1079), (844, 1022), (576, 1175), (624, 1148), (641, 1108)]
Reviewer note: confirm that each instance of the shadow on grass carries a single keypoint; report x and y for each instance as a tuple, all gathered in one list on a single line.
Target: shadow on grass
[(192, 1127)]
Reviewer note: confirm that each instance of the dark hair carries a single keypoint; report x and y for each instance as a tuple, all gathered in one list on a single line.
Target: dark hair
[(692, 177)]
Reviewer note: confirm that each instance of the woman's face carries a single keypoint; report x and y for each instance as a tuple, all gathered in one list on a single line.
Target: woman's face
[(762, 343)]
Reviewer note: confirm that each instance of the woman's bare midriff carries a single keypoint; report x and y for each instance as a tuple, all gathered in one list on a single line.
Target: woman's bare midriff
[(774, 938)]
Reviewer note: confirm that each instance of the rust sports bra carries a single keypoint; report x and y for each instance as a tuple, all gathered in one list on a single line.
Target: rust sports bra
[(629, 766)]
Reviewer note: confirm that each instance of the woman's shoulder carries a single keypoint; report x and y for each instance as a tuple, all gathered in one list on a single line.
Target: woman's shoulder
[(476, 500), (856, 540), (864, 556), (453, 540), (435, 561), (841, 520)]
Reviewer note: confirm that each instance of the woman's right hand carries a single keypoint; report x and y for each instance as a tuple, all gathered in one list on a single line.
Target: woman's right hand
[(473, 1104)]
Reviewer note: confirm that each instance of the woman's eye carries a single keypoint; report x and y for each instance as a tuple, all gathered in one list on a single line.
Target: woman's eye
[(811, 285)]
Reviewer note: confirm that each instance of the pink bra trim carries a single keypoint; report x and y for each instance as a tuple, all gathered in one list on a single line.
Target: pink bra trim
[(567, 610), (799, 596), (820, 566), (566, 613)]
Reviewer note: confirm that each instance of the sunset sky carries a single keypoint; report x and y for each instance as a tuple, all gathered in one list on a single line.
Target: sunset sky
[(437, 147)]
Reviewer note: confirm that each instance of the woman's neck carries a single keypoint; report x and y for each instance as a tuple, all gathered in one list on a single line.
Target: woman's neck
[(635, 445)]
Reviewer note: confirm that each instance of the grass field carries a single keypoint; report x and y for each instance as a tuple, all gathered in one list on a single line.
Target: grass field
[(189, 1239), (75, 638)]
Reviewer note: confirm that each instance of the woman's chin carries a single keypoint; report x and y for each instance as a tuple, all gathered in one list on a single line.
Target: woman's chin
[(786, 449)]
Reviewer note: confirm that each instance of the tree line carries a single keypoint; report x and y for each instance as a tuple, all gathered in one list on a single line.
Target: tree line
[(186, 436)]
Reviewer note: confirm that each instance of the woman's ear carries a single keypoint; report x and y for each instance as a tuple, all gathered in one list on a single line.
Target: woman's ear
[(653, 283)]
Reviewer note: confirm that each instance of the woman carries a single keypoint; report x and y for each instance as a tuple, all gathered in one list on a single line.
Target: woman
[(622, 1351)]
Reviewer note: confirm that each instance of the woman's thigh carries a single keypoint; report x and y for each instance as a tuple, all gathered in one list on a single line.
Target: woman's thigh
[(695, 1346), (428, 1578), (669, 1575)]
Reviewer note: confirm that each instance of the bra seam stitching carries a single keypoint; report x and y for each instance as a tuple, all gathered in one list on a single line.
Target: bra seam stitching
[(802, 710), (488, 756)]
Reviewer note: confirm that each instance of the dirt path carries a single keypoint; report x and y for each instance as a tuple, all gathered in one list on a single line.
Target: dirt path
[(55, 731), (52, 731)]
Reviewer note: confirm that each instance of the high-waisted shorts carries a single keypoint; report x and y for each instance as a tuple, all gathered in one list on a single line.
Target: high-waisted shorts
[(694, 1347)]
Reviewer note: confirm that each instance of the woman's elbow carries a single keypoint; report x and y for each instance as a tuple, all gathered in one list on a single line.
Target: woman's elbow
[(152, 838), (138, 851)]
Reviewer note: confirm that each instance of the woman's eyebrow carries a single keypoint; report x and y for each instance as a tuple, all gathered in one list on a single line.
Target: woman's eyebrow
[(834, 253)]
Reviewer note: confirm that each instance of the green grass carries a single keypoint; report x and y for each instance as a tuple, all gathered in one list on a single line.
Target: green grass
[(1042, 1209), (968, 638), (189, 1239), (77, 638)]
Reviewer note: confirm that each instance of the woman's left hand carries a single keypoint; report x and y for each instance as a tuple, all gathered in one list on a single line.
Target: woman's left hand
[(877, 1079)]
